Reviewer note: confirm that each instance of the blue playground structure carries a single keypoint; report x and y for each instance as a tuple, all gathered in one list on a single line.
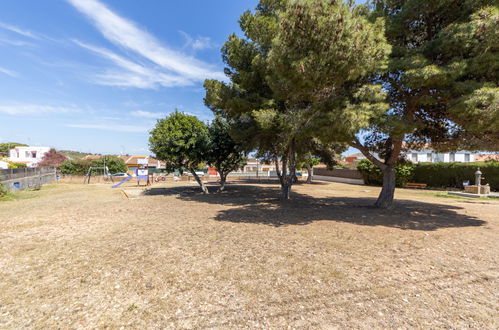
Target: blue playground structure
[(141, 173), (123, 181)]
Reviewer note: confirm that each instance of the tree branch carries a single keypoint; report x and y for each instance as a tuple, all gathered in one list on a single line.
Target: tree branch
[(365, 151)]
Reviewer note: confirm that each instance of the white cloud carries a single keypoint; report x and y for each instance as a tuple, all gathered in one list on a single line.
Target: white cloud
[(199, 43), (11, 42), (133, 74), (9, 72), (17, 30), (112, 127), (147, 114), (127, 34), (33, 109)]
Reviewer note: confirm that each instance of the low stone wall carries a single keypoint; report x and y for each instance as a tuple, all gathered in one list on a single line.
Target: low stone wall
[(337, 179), (338, 173), (24, 178)]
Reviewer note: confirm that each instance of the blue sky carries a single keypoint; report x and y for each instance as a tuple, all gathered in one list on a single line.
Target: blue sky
[(94, 75)]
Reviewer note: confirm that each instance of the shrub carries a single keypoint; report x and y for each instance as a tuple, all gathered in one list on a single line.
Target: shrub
[(17, 165), (113, 163), (444, 175), (3, 191), (81, 166), (74, 167), (373, 176)]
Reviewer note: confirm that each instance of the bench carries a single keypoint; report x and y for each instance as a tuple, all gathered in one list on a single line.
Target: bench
[(415, 185)]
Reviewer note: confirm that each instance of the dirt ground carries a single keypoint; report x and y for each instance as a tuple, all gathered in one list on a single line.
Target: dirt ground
[(84, 256)]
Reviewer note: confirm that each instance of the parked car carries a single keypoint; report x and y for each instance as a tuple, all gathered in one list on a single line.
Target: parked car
[(199, 173), (120, 175)]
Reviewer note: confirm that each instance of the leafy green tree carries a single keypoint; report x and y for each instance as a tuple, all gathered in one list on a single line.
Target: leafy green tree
[(308, 161), (113, 163), (181, 141), (224, 154), (52, 158), (71, 167), (5, 147)]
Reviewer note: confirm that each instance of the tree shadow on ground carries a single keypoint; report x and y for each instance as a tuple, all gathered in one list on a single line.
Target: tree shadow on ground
[(256, 204)]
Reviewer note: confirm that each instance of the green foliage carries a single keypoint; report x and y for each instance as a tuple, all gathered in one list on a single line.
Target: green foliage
[(307, 161), (5, 147), (74, 167), (17, 165), (312, 52), (180, 140), (81, 166), (224, 153), (114, 164), (444, 175), (3, 192), (443, 70), (374, 176)]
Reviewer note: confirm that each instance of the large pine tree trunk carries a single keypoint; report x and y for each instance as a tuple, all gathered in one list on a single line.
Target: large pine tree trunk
[(199, 181), (385, 198), (309, 171)]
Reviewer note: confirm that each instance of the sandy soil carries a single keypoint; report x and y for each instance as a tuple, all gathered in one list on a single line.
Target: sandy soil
[(76, 256)]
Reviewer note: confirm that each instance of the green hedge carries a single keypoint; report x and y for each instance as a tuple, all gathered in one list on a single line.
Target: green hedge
[(444, 175), (81, 166), (373, 176), (437, 175)]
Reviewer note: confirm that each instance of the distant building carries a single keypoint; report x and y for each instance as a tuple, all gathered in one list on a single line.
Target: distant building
[(3, 165), (257, 165), (486, 157), (30, 156), (132, 163), (430, 156), (353, 158)]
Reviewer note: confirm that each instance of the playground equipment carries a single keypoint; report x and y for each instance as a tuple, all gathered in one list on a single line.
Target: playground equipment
[(141, 173), (124, 180), (105, 173)]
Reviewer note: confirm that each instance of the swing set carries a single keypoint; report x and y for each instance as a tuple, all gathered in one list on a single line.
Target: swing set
[(105, 173)]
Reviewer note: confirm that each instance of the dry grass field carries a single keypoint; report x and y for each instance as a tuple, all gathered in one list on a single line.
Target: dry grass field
[(76, 256)]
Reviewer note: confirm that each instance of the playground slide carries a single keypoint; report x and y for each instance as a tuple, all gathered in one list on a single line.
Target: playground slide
[(124, 180)]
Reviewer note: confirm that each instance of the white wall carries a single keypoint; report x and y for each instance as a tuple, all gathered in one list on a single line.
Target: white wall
[(422, 156), (25, 155)]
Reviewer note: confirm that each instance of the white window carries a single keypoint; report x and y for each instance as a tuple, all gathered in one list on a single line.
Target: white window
[(414, 157), (452, 157), (429, 157), (467, 158)]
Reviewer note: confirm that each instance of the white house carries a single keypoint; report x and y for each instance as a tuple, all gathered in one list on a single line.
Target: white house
[(3, 165), (256, 165), (430, 156), (30, 156)]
